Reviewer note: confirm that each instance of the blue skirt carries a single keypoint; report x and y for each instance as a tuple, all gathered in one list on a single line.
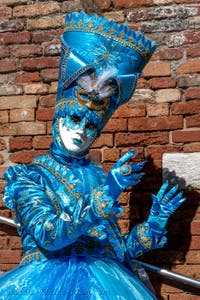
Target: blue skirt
[(72, 278)]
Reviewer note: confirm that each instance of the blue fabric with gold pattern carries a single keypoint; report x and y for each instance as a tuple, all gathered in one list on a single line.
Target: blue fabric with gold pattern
[(90, 45), (66, 206)]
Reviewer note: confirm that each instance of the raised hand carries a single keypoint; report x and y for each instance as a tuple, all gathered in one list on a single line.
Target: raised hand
[(122, 175), (164, 204)]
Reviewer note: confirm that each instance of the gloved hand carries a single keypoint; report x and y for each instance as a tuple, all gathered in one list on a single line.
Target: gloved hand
[(164, 204), (122, 175)]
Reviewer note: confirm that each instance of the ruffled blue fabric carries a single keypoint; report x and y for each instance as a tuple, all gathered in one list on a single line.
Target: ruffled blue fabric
[(72, 278)]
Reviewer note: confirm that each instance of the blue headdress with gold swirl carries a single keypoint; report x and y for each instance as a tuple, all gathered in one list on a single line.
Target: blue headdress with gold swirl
[(100, 64)]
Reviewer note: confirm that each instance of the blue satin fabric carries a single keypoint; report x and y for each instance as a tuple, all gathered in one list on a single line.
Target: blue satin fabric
[(74, 278), (63, 239)]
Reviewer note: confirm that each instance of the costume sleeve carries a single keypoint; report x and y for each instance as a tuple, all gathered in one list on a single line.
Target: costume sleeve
[(25, 193), (143, 238)]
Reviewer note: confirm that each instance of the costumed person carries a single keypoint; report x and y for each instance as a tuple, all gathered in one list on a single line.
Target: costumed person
[(65, 204)]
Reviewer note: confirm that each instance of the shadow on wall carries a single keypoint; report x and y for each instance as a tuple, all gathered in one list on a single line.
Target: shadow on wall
[(179, 227)]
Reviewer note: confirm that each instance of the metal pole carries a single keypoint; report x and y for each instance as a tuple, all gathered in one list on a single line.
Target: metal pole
[(163, 272), (8, 221), (169, 274)]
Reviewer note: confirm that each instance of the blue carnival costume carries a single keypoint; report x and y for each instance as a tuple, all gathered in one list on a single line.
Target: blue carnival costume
[(65, 204)]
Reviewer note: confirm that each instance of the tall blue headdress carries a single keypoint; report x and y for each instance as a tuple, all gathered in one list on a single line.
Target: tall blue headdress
[(92, 45)]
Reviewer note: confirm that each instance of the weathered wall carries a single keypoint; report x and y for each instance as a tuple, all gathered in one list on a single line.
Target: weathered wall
[(162, 117)]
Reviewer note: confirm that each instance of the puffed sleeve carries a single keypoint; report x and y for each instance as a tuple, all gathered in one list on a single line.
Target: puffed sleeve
[(143, 238), (25, 194)]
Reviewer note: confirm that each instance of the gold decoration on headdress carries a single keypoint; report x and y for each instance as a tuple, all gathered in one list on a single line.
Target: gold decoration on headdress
[(90, 101)]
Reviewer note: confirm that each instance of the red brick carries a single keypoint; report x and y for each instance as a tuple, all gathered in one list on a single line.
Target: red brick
[(193, 257), (130, 110), (46, 35), (111, 154), (47, 101), (124, 198), (2, 145), (124, 226), (195, 243), (49, 75), (157, 109), (183, 296), (45, 114), (9, 65), (2, 185), (153, 69), (95, 155), (162, 83), (26, 114), (23, 128), (42, 142), (105, 139), (189, 67), (10, 256), (156, 152), (141, 139), (192, 147), (142, 84), (3, 116), (115, 125), (188, 80), (186, 108), (49, 127), (35, 9), (26, 50), (3, 242), (192, 37), (193, 93), (193, 51), (195, 227), (1, 159), (15, 38), (36, 88), (4, 51), (170, 54), (30, 64), (26, 77), (153, 124), (132, 3), (52, 48), (20, 143), (22, 101), (15, 243), (188, 270), (193, 121), (25, 157), (186, 1), (185, 136), (5, 12), (13, 2)]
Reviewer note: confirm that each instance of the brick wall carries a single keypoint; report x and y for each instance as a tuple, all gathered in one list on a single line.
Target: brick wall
[(163, 116)]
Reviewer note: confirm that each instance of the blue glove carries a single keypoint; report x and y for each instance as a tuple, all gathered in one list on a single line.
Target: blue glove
[(122, 175), (164, 204)]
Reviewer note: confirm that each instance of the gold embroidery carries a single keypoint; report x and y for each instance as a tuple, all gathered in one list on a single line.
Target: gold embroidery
[(128, 43), (144, 240)]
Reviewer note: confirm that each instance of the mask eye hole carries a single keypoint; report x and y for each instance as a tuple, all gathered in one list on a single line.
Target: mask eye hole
[(90, 126), (76, 119)]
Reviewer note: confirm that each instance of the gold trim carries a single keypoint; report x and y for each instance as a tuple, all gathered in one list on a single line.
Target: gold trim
[(89, 102), (110, 35)]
